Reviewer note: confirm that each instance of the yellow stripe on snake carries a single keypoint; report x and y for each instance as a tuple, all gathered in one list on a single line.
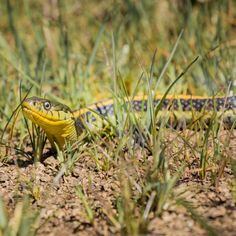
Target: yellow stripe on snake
[(62, 125)]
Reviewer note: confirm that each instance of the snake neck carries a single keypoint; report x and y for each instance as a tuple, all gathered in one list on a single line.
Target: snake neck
[(62, 135)]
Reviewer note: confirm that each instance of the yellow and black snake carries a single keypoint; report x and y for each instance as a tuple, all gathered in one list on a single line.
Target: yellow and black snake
[(61, 124)]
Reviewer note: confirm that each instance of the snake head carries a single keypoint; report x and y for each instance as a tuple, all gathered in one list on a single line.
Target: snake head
[(56, 119)]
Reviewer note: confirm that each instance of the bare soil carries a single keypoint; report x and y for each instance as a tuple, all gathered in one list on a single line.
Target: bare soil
[(63, 213)]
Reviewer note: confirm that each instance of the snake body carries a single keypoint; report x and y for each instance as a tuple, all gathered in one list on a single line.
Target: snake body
[(61, 124)]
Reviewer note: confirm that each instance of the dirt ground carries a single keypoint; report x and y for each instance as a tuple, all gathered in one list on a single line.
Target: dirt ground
[(62, 212)]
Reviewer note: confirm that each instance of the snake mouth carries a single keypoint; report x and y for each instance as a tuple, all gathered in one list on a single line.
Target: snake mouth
[(33, 115), (35, 108), (27, 111), (39, 117), (48, 125)]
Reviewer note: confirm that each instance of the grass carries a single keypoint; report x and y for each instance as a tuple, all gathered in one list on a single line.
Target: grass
[(23, 222), (78, 53)]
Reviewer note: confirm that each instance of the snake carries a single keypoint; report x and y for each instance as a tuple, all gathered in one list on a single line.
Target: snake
[(63, 125)]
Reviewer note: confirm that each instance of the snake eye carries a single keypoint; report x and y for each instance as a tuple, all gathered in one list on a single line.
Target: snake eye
[(47, 105)]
